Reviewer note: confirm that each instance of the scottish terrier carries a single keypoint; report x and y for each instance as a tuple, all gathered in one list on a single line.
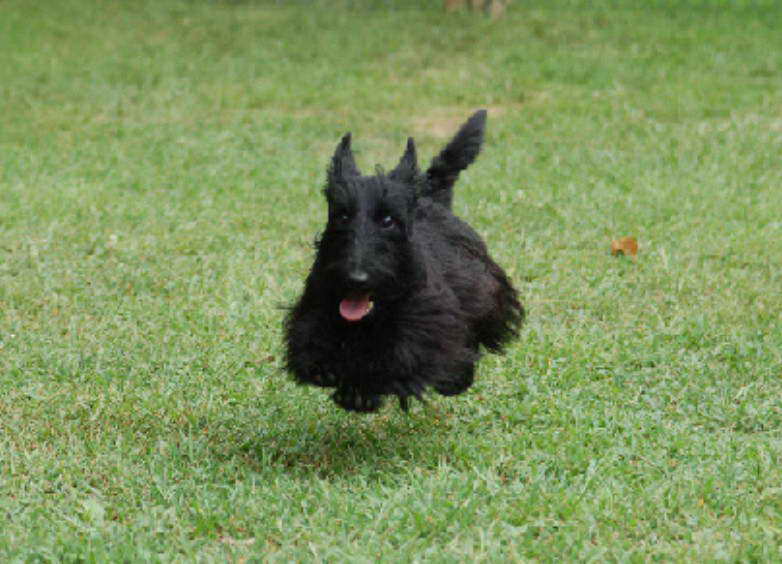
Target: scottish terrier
[(402, 293)]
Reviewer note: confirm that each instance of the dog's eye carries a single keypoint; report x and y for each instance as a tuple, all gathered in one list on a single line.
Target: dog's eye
[(387, 222), (343, 217)]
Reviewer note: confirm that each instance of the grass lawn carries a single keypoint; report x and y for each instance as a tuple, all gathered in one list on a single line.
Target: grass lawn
[(160, 170)]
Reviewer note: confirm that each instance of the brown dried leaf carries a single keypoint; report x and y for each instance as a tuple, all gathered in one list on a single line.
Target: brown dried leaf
[(625, 246)]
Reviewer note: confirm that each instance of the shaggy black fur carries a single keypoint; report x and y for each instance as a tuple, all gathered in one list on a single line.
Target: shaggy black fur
[(402, 292)]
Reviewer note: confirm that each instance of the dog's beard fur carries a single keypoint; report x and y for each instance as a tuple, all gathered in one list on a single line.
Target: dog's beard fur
[(402, 293)]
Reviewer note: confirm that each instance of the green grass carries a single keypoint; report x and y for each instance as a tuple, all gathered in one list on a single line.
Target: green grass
[(160, 168)]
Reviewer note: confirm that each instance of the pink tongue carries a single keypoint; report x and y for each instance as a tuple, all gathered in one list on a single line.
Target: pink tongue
[(354, 307)]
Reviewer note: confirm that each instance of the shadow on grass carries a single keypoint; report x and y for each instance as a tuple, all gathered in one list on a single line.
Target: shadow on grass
[(340, 444)]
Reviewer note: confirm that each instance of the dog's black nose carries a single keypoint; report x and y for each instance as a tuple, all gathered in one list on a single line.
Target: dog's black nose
[(358, 276)]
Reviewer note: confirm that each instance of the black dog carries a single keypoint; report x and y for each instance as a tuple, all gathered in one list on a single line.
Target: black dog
[(402, 292)]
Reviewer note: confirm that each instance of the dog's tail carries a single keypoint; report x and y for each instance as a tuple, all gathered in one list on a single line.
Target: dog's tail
[(457, 155)]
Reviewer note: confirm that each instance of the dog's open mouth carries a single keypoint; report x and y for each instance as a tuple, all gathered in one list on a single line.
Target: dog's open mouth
[(356, 307)]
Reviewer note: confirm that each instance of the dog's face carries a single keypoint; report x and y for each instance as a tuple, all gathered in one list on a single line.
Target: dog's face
[(365, 252)]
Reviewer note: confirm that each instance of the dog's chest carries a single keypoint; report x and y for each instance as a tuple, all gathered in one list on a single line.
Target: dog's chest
[(356, 348)]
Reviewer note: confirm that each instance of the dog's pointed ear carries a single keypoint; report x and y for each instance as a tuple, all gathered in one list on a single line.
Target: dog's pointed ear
[(407, 169), (343, 165)]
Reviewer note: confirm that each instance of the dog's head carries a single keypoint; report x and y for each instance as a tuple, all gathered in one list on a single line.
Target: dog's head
[(365, 253)]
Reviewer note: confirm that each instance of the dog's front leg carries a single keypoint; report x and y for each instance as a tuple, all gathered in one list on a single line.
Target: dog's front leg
[(323, 378), (353, 399)]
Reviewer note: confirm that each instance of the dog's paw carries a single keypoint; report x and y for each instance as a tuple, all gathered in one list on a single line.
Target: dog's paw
[(456, 386), (404, 401), (405, 390), (353, 400), (323, 379)]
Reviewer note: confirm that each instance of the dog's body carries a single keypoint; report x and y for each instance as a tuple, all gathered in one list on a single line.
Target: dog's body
[(402, 292)]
